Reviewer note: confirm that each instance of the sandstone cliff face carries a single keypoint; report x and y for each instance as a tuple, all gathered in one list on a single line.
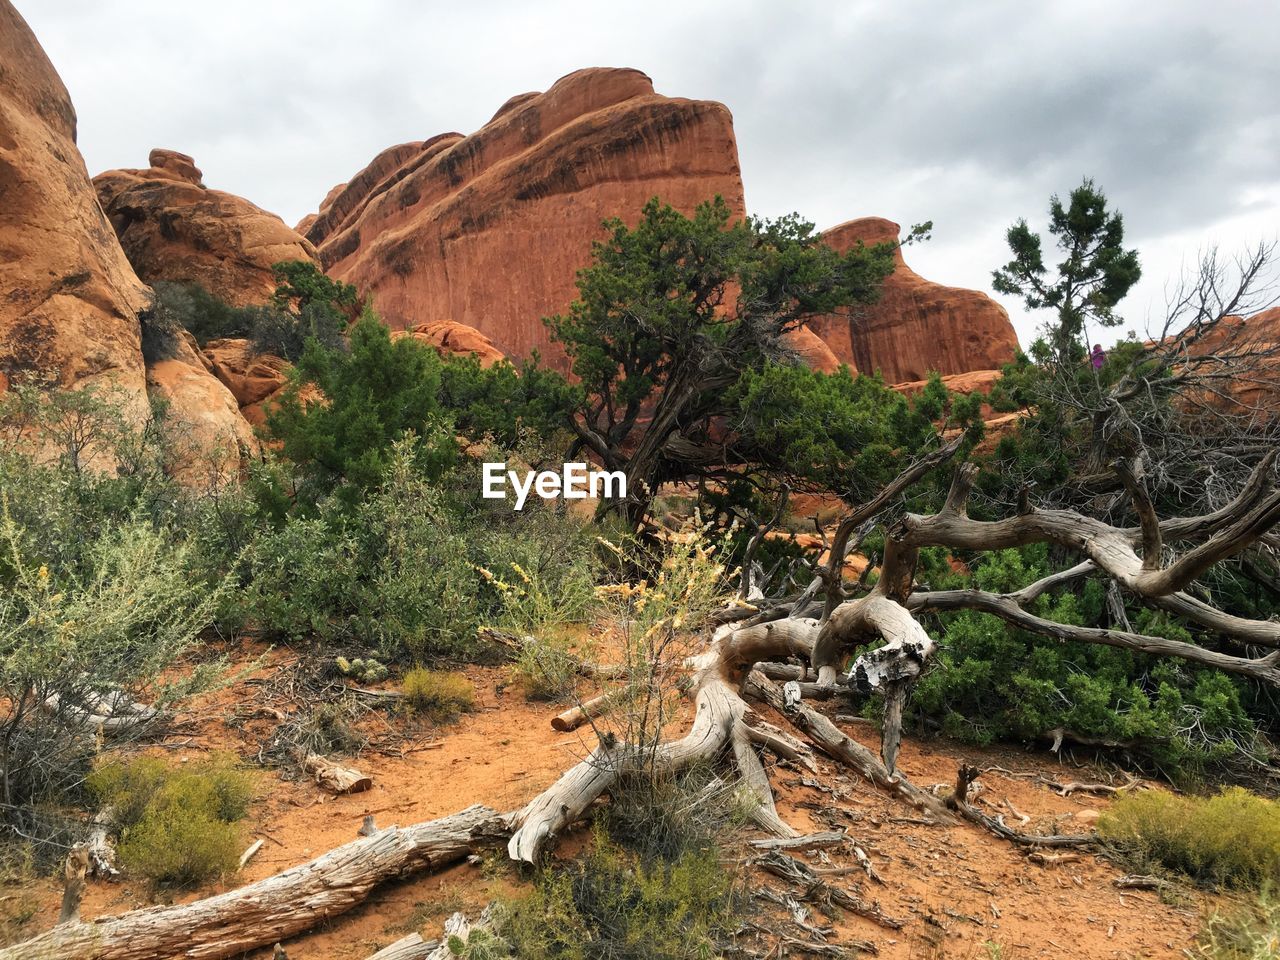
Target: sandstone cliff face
[(70, 304), (812, 349), (917, 326), (489, 229), (1258, 391), (68, 298), (174, 228)]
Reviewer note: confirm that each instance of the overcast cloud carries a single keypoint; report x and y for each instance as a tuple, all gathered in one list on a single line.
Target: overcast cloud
[(968, 114)]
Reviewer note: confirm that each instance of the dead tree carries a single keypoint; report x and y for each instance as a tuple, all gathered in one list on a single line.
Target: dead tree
[(1155, 562), (1142, 560)]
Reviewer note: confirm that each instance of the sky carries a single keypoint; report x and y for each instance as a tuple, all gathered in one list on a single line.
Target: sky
[(967, 114)]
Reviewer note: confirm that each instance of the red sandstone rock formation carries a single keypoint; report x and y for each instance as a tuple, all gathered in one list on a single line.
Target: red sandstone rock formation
[(456, 339), (972, 381), (917, 326), (209, 439), (68, 298), (172, 227), (1258, 390), (489, 229), (69, 314), (254, 379), (812, 349)]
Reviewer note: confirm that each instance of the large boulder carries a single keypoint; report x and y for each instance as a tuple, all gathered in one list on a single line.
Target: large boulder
[(172, 227), (490, 229), (918, 326), (209, 441), (450, 338), (68, 298), (254, 379)]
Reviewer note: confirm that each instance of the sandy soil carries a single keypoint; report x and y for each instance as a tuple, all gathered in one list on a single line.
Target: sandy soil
[(961, 892)]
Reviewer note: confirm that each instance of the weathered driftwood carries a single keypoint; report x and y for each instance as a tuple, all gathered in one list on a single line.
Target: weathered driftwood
[(457, 931), (102, 854), (412, 947), (799, 872), (826, 838), (333, 776), (251, 852), (110, 715), (720, 723), (835, 744), (576, 716), (959, 801), (273, 909)]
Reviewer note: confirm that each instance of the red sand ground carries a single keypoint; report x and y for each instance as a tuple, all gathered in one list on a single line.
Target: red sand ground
[(959, 889)]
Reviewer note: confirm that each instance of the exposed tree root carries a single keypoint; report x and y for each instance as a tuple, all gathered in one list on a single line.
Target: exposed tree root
[(817, 889), (959, 801)]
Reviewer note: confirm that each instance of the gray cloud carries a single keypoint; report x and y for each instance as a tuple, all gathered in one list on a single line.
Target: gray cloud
[(967, 114)]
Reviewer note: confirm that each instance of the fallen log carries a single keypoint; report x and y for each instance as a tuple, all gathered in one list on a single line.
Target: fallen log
[(273, 909), (959, 801), (102, 855), (575, 717), (412, 947), (249, 854), (827, 838), (720, 725)]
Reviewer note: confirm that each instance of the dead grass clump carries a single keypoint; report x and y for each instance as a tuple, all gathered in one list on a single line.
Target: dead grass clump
[(439, 694), (1231, 839)]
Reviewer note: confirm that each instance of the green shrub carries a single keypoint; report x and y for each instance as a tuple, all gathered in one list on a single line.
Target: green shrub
[(195, 309), (301, 283), (399, 568), (1231, 839), (379, 393), (611, 903), (439, 694), (282, 333), (540, 569), (178, 826), (990, 681), (545, 667), (1246, 934), (306, 305), (109, 627)]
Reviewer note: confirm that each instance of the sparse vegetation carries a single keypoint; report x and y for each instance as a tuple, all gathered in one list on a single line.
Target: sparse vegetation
[(1246, 933), (614, 903), (306, 306), (178, 826), (439, 694), (545, 667), (1231, 839)]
